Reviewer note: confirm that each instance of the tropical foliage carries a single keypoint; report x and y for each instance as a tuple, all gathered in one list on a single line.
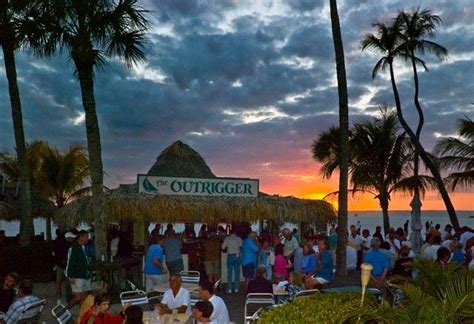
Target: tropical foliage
[(57, 175), (457, 153), (403, 37), (91, 32), (379, 159)]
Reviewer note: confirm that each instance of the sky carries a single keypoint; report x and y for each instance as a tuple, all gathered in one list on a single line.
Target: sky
[(249, 85)]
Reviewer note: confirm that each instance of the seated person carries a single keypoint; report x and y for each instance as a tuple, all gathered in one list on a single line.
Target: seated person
[(456, 252), (220, 314), (403, 265), (7, 292), (379, 261), (133, 315), (325, 266), (24, 299), (308, 264), (202, 311), (443, 256), (99, 312), (89, 300), (260, 284), (294, 286), (176, 297)]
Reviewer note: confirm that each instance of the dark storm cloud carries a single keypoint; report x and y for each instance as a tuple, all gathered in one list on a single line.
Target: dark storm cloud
[(243, 87)]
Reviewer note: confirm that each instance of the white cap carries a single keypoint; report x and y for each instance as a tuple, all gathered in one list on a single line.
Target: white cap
[(70, 235)]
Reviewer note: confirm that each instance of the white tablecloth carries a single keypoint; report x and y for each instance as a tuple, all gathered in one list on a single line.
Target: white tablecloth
[(156, 318)]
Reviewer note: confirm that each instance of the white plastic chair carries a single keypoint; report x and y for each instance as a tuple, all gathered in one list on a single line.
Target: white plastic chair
[(134, 297), (217, 284), (61, 313), (190, 276), (32, 312), (255, 303)]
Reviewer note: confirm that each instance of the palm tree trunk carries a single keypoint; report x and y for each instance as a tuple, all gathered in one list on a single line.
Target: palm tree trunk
[(341, 268), (48, 228), (95, 157), (425, 157), (27, 230), (421, 121), (383, 199)]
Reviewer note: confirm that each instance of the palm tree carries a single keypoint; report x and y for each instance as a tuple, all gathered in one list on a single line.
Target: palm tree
[(90, 32), (458, 154), (387, 41), (413, 28), (62, 176), (380, 158), (17, 22), (344, 140)]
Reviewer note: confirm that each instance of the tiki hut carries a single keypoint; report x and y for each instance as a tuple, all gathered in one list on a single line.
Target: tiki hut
[(180, 160)]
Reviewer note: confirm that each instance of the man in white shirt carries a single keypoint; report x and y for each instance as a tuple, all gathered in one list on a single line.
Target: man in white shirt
[(232, 245), (356, 241), (431, 252), (220, 314), (176, 297), (290, 245), (367, 239)]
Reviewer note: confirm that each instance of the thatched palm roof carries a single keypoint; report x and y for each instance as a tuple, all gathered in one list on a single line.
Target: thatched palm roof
[(180, 160), (176, 209)]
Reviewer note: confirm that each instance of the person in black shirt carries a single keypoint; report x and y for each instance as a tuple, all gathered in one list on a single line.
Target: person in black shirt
[(7, 292), (403, 266), (378, 233), (260, 284), (62, 243)]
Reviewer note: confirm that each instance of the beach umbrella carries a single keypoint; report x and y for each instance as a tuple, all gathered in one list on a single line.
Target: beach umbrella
[(416, 225)]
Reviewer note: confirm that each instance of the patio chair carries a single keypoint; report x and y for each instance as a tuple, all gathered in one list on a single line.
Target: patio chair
[(254, 304), (190, 277), (32, 312), (134, 297), (62, 314), (308, 292)]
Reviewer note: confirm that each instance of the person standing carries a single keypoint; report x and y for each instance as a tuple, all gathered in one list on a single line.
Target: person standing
[(290, 244), (356, 240), (249, 257), (378, 234), (212, 257), (62, 243), (232, 244), (78, 269), (406, 226), (172, 246), (154, 270)]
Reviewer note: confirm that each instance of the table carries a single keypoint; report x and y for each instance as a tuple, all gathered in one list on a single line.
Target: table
[(109, 272), (277, 291), (150, 317), (192, 287)]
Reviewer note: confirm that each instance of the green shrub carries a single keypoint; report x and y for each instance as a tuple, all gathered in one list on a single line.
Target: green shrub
[(319, 308)]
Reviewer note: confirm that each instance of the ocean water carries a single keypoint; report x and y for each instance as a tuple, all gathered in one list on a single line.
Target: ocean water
[(366, 219)]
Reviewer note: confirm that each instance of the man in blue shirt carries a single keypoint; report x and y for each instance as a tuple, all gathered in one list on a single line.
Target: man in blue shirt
[(379, 261), (154, 270), (172, 245), (324, 265), (249, 257)]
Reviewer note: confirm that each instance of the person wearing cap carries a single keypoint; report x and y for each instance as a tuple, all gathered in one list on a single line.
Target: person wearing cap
[(78, 269), (379, 261), (62, 243)]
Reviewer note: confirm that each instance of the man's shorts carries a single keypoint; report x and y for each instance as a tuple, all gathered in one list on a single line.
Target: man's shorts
[(249, 270), (81, 285)]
